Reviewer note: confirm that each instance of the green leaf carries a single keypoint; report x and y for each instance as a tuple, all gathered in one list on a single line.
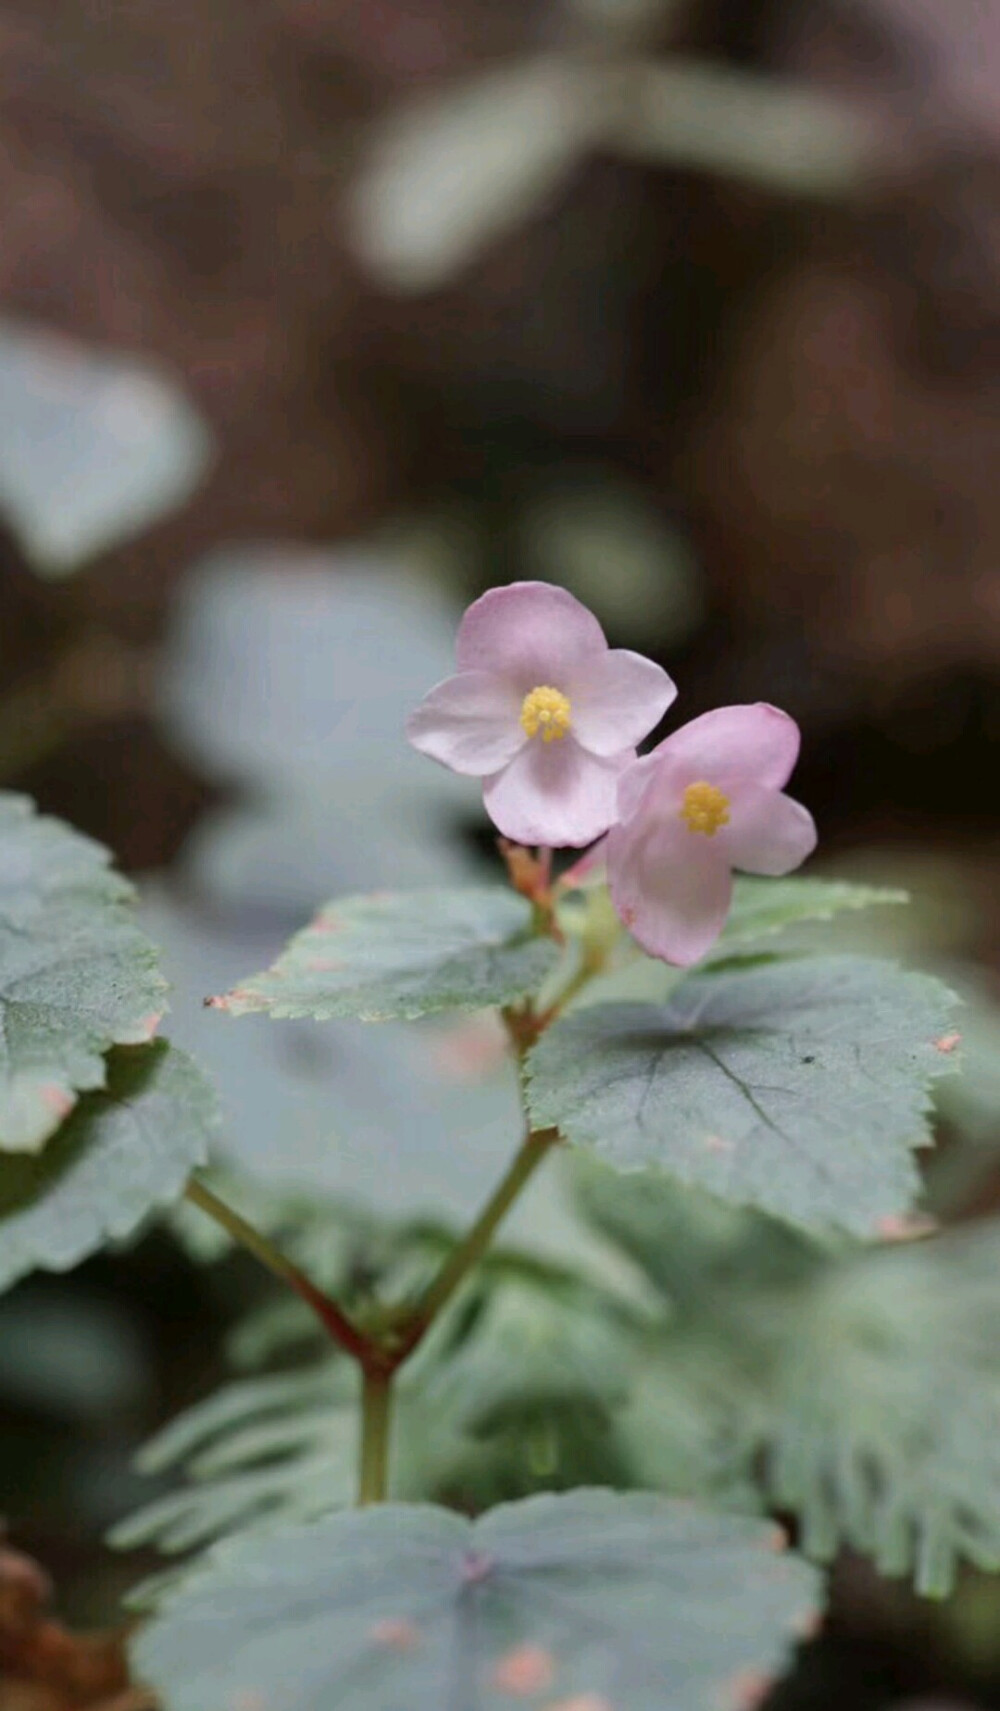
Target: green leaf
[(124, 1152), (520, 1348), (856, 1389), (882, 1409), (796, 1086), (609, 1600), (76, 974), (765, 906), (282, 1447), (403, 955), (703, 1253)]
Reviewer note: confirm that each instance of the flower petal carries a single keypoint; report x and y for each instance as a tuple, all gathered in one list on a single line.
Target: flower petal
[(616, 698), (755, 744), (653, 779), (529, 632), (470, 722), (555, 794), (768, 833), (671, 889)]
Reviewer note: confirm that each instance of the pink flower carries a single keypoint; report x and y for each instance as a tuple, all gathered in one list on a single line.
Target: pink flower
[(707, 800), (543, 711)]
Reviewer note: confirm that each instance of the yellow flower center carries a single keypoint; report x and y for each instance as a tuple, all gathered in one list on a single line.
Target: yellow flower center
[(705, 809), (545, 712)]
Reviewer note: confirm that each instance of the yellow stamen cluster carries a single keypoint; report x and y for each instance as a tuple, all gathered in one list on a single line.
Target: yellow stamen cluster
[(545, 712), (705, 809)]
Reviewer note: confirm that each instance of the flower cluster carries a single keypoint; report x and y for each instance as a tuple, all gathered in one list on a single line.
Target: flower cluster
[(549, 717)]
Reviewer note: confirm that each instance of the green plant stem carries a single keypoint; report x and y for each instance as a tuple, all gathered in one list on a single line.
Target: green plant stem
[(536, 1146), (376, 1421), (339, 1326)]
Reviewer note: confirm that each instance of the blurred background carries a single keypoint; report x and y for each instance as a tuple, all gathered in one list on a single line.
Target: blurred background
[(318, 317)]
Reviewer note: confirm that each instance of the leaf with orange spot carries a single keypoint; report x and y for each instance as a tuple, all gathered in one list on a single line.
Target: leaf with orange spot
[(404, 954), (595, 1599)]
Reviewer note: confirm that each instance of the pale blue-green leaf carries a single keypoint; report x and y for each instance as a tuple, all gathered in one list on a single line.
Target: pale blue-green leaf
[(705, 1254), (765, 906), (631, 1599), (800, 1087), (401, 956), (76, 974), (856, 1389), (93, 448), (786, 137), (125, 1152), (278, 858), (879, 1428), (296, 669), (452, 172)]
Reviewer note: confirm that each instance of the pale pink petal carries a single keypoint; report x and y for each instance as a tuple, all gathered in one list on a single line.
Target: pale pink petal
[(554, 794), (755, 744), (767, 833), (672, 890), (529, 632), (471, 723), (616, 698), (652, 775)]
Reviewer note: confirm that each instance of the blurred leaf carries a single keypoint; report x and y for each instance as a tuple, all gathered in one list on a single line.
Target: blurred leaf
[(518, 1348), (765, 906), (93, 448), (272, 1448), (452, 173), (385, 957), (784, 137), (857, 1388), (296, 668), (294, 671), (882, 1410), (622, 1598), (589, 520), (124, 1153), (703, 1253), (280, 858), (76, 974), (800, 1087)]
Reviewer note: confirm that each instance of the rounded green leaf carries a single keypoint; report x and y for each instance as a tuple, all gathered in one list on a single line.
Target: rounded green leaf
[(76, 974), (597, 1599), (403, 955), (124, 1152), (800, 1086)]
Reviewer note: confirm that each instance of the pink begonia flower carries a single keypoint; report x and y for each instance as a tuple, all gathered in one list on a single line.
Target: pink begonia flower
[(543, 711), (707, 800)]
